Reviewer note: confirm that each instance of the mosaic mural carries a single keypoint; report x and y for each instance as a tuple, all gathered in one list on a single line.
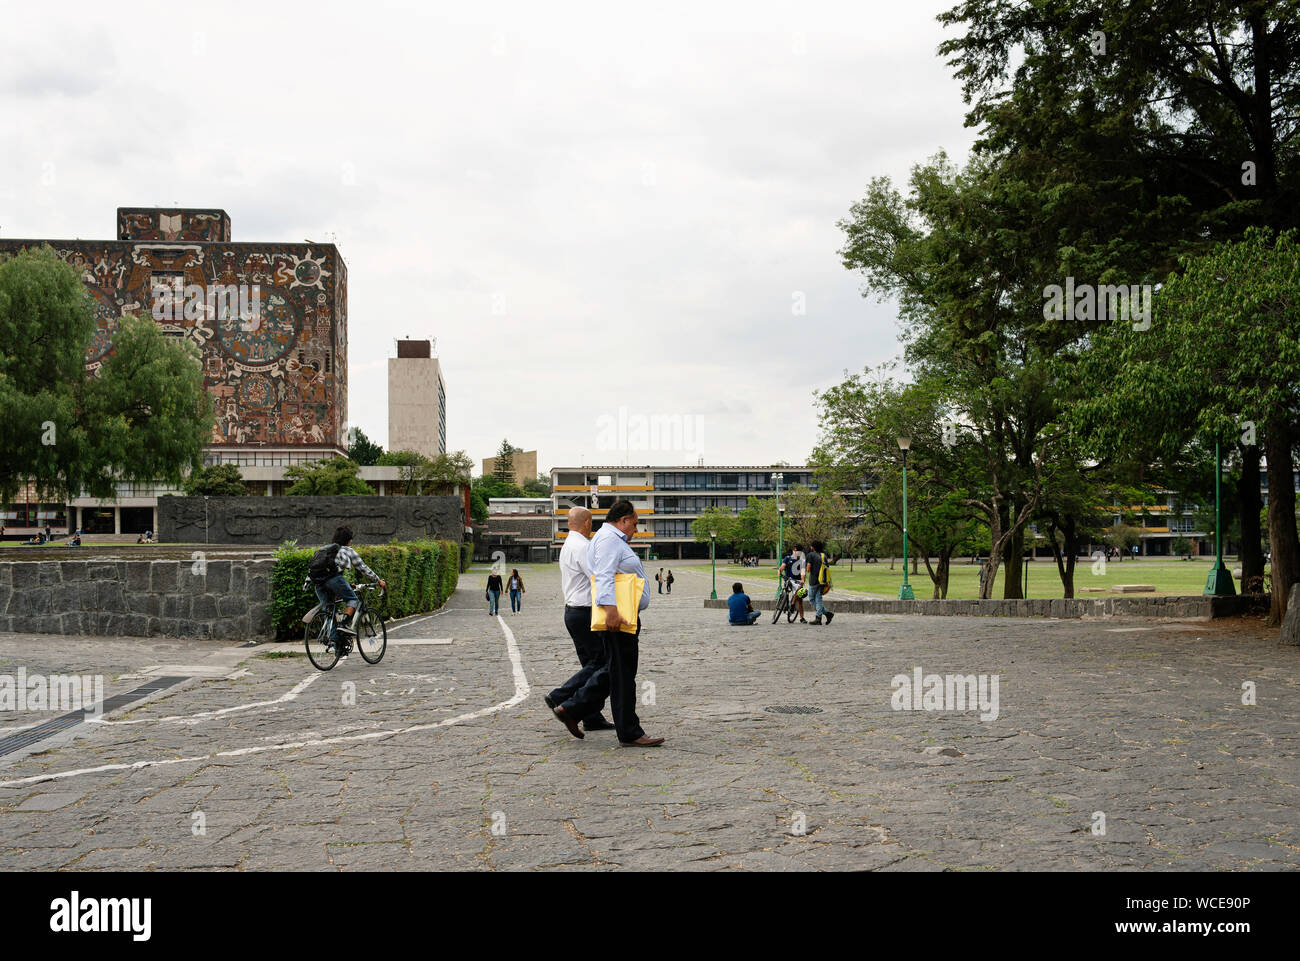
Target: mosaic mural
[(277, 377), (150, 223)]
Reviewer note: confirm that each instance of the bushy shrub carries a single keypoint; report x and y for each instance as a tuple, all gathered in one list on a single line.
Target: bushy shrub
[(421, 575), (466, 555)]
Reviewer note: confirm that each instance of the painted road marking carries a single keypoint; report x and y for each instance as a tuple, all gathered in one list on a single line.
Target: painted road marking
[(521, 694), (415, 641), (292, 694)]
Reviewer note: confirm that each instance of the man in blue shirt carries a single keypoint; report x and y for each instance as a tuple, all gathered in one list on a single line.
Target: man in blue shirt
[(742, 610), (610, 553)]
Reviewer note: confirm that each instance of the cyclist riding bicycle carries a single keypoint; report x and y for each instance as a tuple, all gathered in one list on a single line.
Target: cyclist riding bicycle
[(325, 575)]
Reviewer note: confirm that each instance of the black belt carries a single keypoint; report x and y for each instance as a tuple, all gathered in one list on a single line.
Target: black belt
[(575, 607)]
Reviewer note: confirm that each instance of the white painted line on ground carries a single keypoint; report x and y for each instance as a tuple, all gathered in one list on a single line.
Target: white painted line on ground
[(292, 694), (419, 640), (521, 694)]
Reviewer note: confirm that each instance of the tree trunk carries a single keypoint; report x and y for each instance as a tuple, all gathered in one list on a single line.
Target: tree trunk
[(1248, 504), (1013, 566), (1281, 517), (945, 565)]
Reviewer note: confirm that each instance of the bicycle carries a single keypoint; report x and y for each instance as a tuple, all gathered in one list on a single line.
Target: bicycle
[(371, 638), (785, 603)]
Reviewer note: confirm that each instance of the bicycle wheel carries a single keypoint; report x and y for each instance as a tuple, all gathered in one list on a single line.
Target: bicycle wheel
[(320, 649), (791, 612), (780, 607), (372, 637)]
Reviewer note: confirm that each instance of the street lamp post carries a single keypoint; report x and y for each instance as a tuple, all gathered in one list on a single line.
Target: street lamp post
[(713, 536), (1219, 580), (905, 592), (780, 511)]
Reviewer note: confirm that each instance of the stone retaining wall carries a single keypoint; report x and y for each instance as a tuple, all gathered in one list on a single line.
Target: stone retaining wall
[(1193, 607), (216, 598)]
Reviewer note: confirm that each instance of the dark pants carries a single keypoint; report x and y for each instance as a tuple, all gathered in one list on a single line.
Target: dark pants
[(591, 655), (336, 586), (616, 679)]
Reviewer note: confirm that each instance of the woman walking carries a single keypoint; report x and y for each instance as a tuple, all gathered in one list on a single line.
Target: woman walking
[(493, 593), (516, 585), (670, 580)]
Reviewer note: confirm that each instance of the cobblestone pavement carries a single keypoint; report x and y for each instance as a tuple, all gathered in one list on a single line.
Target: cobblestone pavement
[(448, 758)]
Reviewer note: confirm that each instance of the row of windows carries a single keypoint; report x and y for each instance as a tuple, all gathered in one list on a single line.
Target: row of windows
[(33, 515), (729, 482), (693, 505)]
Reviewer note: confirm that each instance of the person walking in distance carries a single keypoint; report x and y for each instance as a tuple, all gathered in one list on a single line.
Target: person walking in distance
[(659, 579), (493, 593), (516, 585), (575, 581), (813, 563), (610, 554), (669, 581)]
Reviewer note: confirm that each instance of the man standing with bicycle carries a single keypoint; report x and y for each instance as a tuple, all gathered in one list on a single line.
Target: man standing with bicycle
[(325, 574)]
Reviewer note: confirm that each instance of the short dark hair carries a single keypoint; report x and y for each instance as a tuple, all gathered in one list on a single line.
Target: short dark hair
[(818, 546), (343, 536), (737, 588), (620, 510)]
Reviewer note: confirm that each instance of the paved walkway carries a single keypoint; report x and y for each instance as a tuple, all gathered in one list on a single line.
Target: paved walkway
[(444, 757)]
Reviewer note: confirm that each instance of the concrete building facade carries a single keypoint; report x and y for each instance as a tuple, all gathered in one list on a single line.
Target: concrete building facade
[(523, 462), (417, 400)]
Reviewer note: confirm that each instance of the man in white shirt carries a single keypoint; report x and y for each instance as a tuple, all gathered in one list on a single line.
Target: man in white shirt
[(610, 553), (575, 581)]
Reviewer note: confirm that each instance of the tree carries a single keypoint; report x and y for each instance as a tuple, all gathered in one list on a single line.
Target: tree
[(362, 449), (539, 486), (1224, 349), (422, 475), (504, 468), (720, 520), (330, 478), (219, 480), (143, 415)]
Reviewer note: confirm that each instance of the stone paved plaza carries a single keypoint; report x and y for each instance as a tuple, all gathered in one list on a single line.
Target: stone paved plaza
[(448, 759)]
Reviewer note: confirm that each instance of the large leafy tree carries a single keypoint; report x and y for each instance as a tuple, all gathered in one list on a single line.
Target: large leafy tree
[(330, 478), (142, 416), (218, 480), (425, 475), (362, 449), (1221, 359)]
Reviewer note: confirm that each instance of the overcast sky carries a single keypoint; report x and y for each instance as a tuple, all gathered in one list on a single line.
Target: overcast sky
[(590, 207)]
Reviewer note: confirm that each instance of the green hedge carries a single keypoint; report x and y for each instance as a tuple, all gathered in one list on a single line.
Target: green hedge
[(466, 555), (421, 575)]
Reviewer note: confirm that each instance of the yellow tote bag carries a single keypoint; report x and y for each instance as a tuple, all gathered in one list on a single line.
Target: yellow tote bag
[(628, 589)]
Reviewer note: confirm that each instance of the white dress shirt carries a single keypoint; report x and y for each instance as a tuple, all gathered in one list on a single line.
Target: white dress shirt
[(575, 577)]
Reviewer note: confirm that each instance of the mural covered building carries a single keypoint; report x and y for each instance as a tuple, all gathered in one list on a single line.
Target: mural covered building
[(269, 318), (270, 321)]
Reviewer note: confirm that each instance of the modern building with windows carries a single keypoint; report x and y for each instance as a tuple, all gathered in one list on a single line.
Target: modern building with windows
[(667, 499), (417, 400)]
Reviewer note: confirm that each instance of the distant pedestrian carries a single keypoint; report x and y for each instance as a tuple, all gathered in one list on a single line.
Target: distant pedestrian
[(493, 592), (669, 582), (516, 585), (659, 579)]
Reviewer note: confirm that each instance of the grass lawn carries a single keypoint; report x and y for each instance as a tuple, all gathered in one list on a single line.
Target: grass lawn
[(1170, 576)]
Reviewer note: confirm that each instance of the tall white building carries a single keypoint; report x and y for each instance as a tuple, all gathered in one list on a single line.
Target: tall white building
[(417, 400)]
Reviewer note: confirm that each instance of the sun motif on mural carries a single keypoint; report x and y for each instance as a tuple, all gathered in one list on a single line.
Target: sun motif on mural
[(267, 335), (308, 271)]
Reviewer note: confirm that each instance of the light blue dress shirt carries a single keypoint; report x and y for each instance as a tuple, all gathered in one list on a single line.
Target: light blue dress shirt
[(611, 554)]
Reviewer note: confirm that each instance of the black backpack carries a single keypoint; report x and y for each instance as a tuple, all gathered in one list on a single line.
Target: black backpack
[(323, 565)]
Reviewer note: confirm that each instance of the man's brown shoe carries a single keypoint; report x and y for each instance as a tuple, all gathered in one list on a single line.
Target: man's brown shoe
[(642, 741), (570, 723)]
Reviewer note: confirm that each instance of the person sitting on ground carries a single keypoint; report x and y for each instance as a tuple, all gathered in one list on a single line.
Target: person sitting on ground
[(741, 608)]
